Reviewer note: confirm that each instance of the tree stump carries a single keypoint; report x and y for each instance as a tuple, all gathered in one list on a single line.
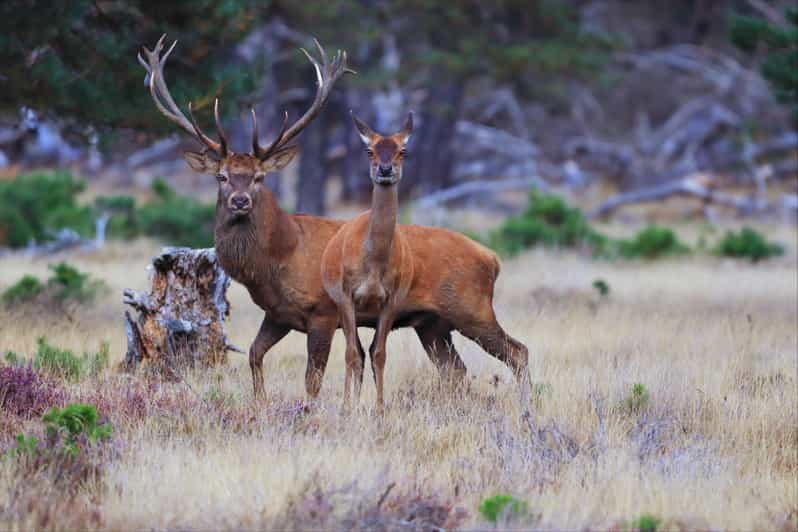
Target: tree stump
[(179, 322)]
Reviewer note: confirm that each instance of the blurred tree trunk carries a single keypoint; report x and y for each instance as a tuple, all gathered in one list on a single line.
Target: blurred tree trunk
[(312, 167), (354, 170), (431, 161)]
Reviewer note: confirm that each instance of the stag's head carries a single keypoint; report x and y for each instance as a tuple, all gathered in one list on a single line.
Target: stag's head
[(239, 175), (385, 153)]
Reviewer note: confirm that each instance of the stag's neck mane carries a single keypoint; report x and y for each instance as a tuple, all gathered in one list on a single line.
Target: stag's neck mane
[(246, 247), (382, 225)]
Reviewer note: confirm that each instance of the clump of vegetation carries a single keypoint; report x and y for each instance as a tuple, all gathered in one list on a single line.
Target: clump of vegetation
[(72, 451), (637, 400), (26, 289), (66, 284), (502, 505), (34, 206), (646, 523), (178, 220), (63, 363), (747, 244), (548, 221), (24, 393), (653, 242), (602, 287)]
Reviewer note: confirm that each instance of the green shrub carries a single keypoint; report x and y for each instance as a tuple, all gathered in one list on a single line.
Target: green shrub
[(748, 244), (34, 206), (493, 507), (548, 221), (178, 220), (68, 283), (646, 523), (23, 290), (637, 400), (12, 359), (73, 422), (123, 222), (652, 242)]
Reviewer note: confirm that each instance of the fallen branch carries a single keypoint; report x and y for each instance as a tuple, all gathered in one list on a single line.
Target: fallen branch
[(478, 187)]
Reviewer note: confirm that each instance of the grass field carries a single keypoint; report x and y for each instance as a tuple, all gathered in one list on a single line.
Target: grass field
[(710, 442)]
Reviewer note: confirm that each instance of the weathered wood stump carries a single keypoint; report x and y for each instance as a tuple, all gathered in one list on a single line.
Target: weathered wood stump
[(179, 322)]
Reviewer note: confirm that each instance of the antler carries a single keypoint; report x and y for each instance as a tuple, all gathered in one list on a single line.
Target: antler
[(327, 73), (157, 85)]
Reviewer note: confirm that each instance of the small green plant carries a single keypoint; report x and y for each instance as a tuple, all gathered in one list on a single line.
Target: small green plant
[(25, 445), (602, 287), (73, 422), (178, 220), (494, 507), (57, 362), (747, 244), (68, 283), (652, 242), (637, 400), (646, 523), (65, 364), (12, 359), (23, 290)]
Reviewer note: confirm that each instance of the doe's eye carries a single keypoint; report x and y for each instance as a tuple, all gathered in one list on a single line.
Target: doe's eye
[(221, 178), (369, 152), (257, 179)]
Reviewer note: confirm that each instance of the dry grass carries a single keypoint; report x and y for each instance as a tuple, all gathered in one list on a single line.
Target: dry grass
[(713, 341)]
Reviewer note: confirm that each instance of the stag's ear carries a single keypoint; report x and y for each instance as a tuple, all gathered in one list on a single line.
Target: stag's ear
[(407, 129), (279, 159), (366, 133), (201, 162)]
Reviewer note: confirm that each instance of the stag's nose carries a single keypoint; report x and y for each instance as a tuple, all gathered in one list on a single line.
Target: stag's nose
[(240, 202), (386, 170)]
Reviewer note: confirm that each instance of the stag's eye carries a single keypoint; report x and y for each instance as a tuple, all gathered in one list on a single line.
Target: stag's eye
[(257, 179), (221, 178)]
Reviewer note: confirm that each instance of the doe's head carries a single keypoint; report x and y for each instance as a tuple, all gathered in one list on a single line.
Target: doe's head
[(385, 153)]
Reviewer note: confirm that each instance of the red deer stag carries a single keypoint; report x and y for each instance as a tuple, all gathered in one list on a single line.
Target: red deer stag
[(376, 270), (276, 255)]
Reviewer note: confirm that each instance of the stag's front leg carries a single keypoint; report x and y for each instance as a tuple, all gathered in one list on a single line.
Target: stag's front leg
[(268, 335), (320, 333)]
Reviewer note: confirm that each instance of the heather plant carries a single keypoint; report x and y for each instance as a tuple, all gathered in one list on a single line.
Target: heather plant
[(602, 287), (24, 393), (747, 244)]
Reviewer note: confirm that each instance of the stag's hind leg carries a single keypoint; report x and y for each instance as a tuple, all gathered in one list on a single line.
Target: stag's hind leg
[(268, 335), (436, 336), (493, 339), (320, 333)]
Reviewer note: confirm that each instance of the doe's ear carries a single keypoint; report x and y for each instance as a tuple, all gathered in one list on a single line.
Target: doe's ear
[(366, 133), (201, 162), (407, 129), (280, 159)]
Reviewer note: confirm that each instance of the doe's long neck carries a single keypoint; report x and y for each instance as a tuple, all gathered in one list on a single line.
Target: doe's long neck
[(382, 224)]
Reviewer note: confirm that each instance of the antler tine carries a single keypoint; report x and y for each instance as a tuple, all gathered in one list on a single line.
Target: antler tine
[(219, 130), (326, 76), (154, 66), (257, 150)]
